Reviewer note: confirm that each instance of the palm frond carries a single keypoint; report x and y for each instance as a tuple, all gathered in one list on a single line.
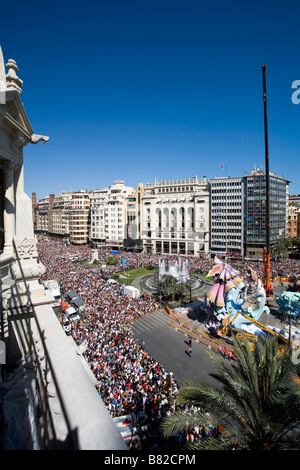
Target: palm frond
[(256, 400), (178, 422)]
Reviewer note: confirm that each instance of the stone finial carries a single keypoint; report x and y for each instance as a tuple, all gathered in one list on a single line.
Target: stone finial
[(12, 80)]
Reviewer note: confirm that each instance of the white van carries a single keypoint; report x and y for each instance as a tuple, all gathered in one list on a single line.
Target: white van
[(72, 314)]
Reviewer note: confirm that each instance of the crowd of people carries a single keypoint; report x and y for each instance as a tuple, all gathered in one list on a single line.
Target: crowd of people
[(129, 379)]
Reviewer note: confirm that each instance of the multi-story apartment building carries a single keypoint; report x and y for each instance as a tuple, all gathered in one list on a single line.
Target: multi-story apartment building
[(42, 214), (79, 218), (294, 212), (35, 212), (44, 217), (61, 214), (238, 213), (109, 214), (293, 221), (133, 231), (255, 224), (294, 199), (222, 215), (176, 217), (227, 215)]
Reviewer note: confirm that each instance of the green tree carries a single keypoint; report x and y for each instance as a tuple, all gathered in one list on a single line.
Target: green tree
[(171, 288), (112, 260), (295, 245), (257, 403), (281, 247)]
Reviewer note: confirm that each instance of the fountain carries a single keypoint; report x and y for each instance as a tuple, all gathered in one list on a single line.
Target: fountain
[(179, 270)]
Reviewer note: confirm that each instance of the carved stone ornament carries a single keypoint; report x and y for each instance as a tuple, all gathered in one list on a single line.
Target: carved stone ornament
[(18, 140), (7, 165), (29, 269), (27, 264), (26, 248), (12, 80)]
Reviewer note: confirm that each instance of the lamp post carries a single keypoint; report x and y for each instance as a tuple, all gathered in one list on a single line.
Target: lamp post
[(171, 375), (290, 321), (190, 274)]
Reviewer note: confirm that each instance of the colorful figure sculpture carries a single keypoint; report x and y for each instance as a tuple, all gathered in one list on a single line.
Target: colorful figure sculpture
[(289, 303), (229, 294)]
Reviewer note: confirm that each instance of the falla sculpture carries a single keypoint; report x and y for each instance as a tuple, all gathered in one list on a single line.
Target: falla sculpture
[(231, 296)]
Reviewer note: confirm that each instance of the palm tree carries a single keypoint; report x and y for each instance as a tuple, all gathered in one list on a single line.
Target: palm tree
[(257, 404)]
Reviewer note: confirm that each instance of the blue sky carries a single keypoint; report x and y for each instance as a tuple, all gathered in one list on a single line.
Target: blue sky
[(142, 90)]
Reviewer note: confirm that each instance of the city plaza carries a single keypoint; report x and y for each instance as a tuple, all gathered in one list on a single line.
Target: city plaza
[(81, 389)]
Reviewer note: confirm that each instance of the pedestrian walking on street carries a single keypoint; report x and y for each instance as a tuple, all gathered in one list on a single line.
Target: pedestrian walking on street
[(190, 350)]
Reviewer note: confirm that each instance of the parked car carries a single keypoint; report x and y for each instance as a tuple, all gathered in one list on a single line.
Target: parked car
[(66, 325), (72, 314)]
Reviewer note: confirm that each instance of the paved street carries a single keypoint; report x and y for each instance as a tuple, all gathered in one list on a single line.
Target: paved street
[(169, 347)]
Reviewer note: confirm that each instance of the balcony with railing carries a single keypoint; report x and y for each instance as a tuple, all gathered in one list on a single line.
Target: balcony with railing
[(49, 396)]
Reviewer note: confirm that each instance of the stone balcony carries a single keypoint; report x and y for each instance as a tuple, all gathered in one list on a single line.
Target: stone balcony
[(61, 408)]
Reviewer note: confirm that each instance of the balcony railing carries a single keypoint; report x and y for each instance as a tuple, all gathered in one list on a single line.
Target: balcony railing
[(25, 322)]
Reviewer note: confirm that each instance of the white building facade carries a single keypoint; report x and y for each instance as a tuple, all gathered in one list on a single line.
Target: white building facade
[(61, 214), (133, 231), (227, 213), (109, 214), (176, 217), (44, 213)]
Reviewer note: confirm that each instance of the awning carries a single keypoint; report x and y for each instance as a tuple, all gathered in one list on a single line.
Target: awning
[(71, 294), (64, 306), (78, 302)]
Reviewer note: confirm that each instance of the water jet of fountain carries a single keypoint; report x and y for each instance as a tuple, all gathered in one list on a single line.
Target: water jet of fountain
[(178, 270)]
